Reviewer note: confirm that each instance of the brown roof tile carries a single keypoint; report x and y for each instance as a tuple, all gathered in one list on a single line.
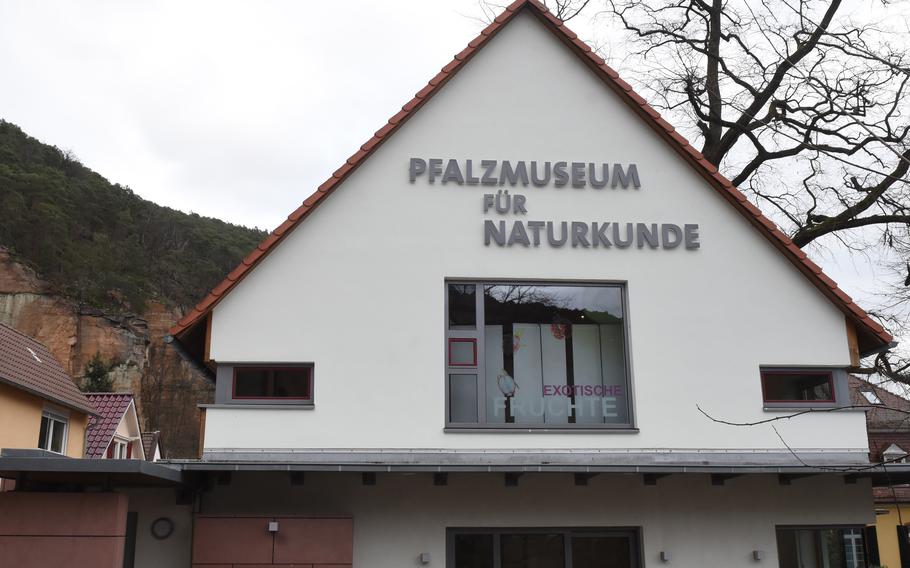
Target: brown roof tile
[(27, 364), (892, 414), (890, 495), (873, 335), (150, 442), (111, 408)]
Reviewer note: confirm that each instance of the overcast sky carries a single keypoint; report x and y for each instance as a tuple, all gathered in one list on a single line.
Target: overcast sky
[(238, 110)]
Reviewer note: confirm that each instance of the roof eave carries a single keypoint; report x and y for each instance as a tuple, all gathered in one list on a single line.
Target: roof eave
[(88, 409)]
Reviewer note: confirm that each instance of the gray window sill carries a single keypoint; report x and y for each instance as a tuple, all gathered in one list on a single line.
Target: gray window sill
[(282, 406), (799, 407), (533, 430)]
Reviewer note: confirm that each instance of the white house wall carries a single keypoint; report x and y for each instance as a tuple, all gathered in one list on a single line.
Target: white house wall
[(357, 288), (700, 525)]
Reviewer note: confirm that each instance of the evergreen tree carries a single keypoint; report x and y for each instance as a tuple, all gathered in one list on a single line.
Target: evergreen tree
[(97, 377)]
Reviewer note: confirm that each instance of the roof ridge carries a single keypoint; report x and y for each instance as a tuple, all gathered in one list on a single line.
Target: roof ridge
[(624, 90)]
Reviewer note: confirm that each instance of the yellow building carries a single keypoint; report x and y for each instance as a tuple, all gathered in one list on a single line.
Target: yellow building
[(889, 442), (40, 406), (888, 518)]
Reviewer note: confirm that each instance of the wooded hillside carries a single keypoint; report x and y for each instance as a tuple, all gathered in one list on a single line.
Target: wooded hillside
[(99, 243)]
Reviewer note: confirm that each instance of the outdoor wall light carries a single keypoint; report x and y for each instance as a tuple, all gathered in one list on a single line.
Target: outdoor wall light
[(273, 526), (664, 556), (424, 558), (758, 555), (162, 527)]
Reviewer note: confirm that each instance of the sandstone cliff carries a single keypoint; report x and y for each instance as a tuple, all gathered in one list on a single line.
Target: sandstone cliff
[(167, 388)]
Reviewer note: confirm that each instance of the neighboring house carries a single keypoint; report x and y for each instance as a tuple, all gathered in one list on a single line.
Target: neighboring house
[(151, 446), (892, 518), (114, 433), (40, 406), (888, 426), (887, 420)]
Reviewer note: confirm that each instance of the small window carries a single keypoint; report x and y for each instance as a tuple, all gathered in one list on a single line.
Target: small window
[(821, 547), (273, 383), (871, 397), (52, 436), (119, 449), (797, 386)]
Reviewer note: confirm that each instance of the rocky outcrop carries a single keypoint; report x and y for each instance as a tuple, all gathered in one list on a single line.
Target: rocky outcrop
[(167, 387)]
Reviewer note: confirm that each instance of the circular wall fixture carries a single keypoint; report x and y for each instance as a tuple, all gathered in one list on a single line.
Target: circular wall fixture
[(162, 527)]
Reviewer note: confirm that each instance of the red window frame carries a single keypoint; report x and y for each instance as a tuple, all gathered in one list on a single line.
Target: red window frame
[(764, 390), (309, 381), (473, 343)]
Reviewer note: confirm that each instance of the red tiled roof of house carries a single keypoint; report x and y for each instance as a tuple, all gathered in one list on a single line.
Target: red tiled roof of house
[(872, 335), (111, 407), (28, 365), (894, 412)]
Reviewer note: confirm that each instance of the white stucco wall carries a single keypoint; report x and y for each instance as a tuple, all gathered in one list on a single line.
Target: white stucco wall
[(358, 287), (699, 524)]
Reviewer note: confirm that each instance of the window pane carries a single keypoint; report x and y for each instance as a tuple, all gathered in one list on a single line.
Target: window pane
[(272, 383), (532, 551), (474, 551), (42, 435), (292, 383), (463, 398), (821, 548), (601, 552), (555, 354), (854, 548), (58, 429), (462, 306), (797, 387), (462, 352)]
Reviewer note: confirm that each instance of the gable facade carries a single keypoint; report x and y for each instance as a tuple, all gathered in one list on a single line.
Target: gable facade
[(358, 290)]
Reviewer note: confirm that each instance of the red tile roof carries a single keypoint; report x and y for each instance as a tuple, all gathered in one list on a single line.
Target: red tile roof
[(872, 335), (28, 365), (111, 408), (894, 412)]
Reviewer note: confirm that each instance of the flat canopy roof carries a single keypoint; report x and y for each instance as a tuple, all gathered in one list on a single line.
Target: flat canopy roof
[(37, 467), (724, 464)]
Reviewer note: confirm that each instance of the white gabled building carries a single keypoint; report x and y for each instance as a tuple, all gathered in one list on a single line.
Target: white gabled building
[(546, 355), (416, 369)]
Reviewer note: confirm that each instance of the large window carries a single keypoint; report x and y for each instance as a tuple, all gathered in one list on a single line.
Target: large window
[(274, 383), (821, 547), (52, 436), (542, 548), (536, 355)]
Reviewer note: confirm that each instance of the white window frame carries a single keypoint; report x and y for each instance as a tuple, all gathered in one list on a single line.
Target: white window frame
[(53, 418), (120, 447)]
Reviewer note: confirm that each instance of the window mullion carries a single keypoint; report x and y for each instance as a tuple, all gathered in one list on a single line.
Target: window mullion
[(481, 355)]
